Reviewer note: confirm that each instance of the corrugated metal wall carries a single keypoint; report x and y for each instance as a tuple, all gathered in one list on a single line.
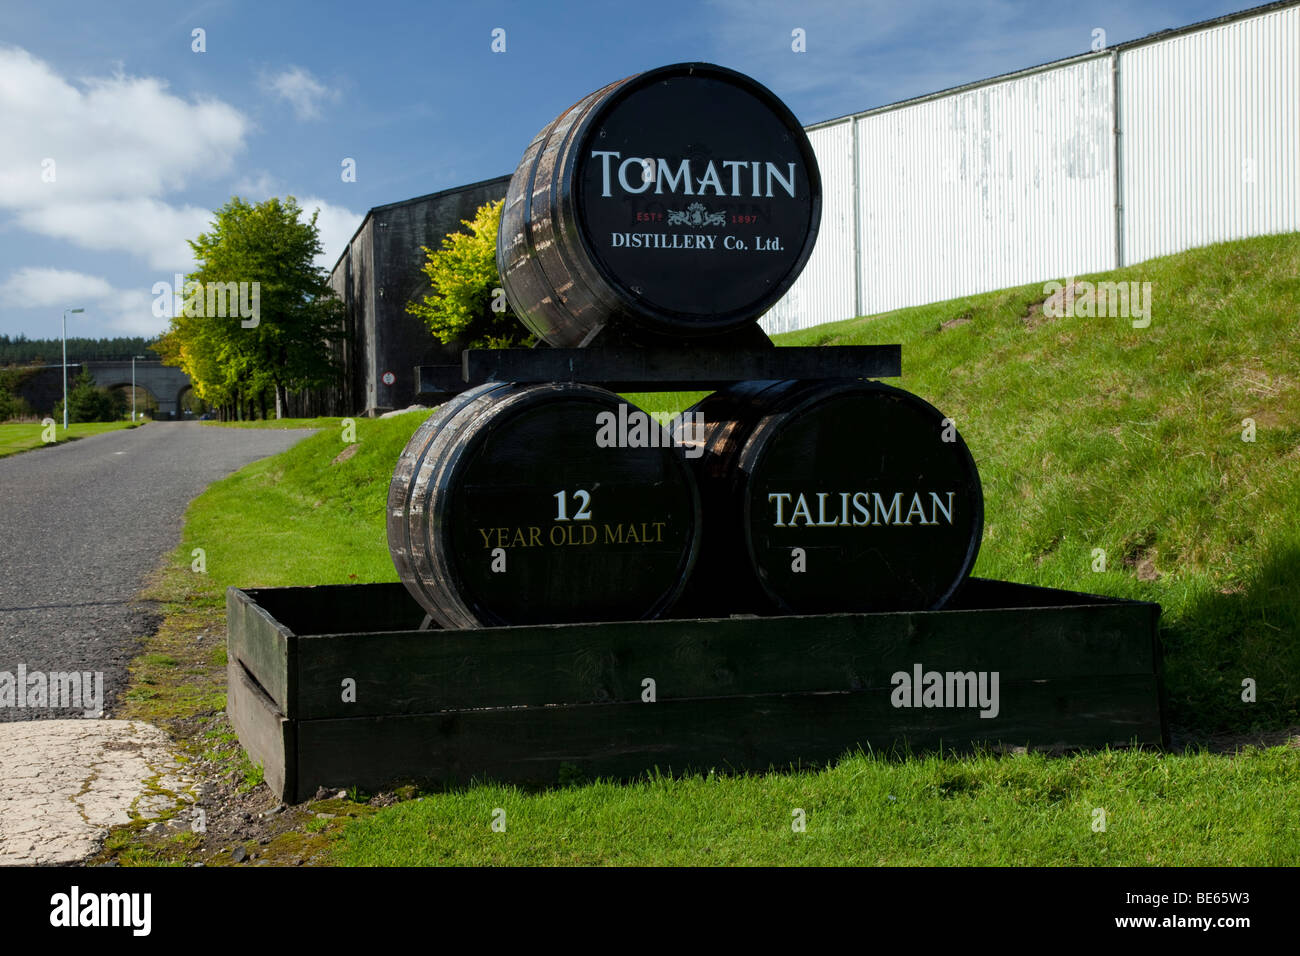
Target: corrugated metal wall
[(826, 285), (1210, 135), (1014, 181), (986, 189)]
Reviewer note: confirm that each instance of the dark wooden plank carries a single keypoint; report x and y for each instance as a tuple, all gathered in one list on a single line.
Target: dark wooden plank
[(444, 379), (622, 740), (699, 367), (981, 593), (340, 608), (369, 608), (264, 646), (269, 738), (398, 673)]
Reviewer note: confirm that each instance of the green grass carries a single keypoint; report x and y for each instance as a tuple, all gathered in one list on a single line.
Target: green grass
[(1028, 810), (1089, 434), (298, 518), (659, 403), (253, 775), (15, 438)]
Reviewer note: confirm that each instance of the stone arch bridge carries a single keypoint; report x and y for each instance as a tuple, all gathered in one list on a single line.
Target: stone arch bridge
[(165, 383), (42, 385)]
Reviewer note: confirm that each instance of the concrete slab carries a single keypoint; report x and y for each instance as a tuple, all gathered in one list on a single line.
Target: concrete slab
[(67, 781)]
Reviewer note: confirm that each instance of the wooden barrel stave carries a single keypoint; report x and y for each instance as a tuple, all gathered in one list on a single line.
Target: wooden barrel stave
[(402, 486), (533, 258), (427, 575)]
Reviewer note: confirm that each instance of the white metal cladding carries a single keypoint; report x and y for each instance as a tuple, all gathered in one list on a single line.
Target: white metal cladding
[(824, 291), (1014, 181), (1210, 135), (997, 186)]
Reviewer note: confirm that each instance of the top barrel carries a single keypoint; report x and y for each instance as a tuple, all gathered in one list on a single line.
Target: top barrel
[(677, 203)]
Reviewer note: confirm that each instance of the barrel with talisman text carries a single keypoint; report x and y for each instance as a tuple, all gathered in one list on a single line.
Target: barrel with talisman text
[(831, 496)]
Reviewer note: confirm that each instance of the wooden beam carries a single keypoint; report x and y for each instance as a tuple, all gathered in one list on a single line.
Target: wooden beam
[(624, 740), (699, 368)]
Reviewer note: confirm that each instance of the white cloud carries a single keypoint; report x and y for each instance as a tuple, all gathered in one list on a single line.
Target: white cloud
[(301, 90), (130, 312), (336, 225), (91, 161), (48, 288), (122, 147), (112, 137), (124, 311), (155, 231)]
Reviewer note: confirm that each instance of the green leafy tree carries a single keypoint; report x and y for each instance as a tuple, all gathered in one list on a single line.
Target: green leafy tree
[(21, 350), (87, 402), (466, 306), (286, 343)]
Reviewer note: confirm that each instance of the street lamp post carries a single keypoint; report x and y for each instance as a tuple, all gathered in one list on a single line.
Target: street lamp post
[(65, 363), (133, 358)]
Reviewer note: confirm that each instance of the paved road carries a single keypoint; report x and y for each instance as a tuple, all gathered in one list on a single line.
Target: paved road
[(81, 525)]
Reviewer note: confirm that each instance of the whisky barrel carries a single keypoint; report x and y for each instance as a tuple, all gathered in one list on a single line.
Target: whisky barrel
[(679, 202), (831, 496), (509, 506)]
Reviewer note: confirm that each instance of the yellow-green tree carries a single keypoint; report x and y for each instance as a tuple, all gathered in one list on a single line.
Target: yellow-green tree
[(467, 307)]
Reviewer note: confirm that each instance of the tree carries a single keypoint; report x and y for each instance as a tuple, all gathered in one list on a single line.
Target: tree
[(21, 350), (87, 402), (11, 403), (467, 305), (257, 314)]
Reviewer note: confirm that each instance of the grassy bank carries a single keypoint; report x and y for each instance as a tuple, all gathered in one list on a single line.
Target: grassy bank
[(1029, 810), (313, 515), (1090, 434), (15, 438)]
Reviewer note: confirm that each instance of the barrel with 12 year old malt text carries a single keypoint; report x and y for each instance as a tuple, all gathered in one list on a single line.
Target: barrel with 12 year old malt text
[(510, 505)]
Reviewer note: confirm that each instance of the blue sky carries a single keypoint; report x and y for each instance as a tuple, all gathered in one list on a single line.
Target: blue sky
[(147, 136)]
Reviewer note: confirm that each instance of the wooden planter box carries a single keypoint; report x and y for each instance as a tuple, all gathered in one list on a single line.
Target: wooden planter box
[(518, 704)]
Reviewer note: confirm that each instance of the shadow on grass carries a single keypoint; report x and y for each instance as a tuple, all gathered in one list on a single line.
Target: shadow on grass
[(1227, 638)]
